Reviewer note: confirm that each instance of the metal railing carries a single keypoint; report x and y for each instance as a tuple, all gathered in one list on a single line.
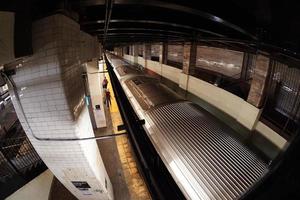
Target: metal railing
[(17, 155), (281, 110)]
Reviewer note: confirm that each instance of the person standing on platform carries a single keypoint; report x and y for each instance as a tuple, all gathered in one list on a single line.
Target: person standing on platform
[(107, 98), (104, 83), (104, 96)]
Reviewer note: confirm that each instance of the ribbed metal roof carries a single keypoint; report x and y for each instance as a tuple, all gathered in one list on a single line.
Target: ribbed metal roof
[(202, 155)]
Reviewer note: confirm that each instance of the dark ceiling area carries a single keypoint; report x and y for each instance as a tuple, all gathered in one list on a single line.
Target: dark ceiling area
[(272, 27)]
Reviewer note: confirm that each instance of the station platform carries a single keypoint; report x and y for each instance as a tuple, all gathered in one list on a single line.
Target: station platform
[(119, 158), (117, 155)]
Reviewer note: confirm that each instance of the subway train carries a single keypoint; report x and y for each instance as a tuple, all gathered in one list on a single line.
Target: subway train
[(185, 152)]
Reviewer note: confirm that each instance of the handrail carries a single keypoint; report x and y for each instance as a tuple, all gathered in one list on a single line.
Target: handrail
[(16, 94)]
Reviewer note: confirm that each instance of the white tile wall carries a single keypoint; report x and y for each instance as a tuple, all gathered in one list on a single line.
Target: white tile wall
[(52, 95), (96, 91)]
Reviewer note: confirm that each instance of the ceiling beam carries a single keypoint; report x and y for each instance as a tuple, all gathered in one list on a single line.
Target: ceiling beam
[(108, 11), (133, 35), (259, 46), (126, 37), (142, 40), (175, 7), (155, 22), (141, 29)]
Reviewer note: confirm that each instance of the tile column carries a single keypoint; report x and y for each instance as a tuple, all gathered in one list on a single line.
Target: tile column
[(189, 64), (258, 83), (51, 104), (135, 53), (125, 50), (147, 53), (118, 51), (164, 54), (161, 53), (189, 58)]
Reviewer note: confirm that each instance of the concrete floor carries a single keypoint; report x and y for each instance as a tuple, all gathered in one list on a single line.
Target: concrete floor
[(37, 189), (119, 159), (59, 192), (109, 152)]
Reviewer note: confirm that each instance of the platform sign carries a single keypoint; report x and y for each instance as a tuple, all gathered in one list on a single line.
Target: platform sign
[(97, 107), (83, 186), (87, 100)]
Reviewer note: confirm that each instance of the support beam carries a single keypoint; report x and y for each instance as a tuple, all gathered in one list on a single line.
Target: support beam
[(147, 51), (155, 22), (164, 57), (135, 53), (119, 51), (259, 81), (189, 64), (189, 58), (178, 8)]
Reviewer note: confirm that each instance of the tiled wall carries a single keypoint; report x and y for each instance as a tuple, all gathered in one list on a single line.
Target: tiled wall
[(175, 53), (96, 91), (129, 57), (259, 81), (140, 50), (141, 61), (155, 50), (170, 73), (224, 61), (51, 93)]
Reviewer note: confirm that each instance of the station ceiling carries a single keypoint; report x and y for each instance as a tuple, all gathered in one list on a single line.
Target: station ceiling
[(250, 25)]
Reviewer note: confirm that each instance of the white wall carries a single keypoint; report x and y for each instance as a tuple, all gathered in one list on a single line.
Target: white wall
[(129, 57), (95, 88), (171, 73), (154, 66), (242, 111), (51, 92), (183, 81), (271, 135), (141, 61)]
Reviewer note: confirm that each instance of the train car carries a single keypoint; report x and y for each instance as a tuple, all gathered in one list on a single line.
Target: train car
[(200, 152)]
